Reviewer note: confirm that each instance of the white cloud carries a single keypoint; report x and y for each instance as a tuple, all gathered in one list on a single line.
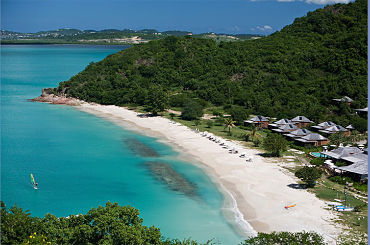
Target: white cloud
[(264, 28)]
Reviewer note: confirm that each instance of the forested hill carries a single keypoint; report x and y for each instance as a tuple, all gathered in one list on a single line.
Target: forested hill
[(297, 71)]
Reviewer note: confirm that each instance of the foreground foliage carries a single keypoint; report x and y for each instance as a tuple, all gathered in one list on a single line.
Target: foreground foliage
[(286, 238), (112, 224)]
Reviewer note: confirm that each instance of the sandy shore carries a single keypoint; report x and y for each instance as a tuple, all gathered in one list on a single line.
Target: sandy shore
[(256, 191)]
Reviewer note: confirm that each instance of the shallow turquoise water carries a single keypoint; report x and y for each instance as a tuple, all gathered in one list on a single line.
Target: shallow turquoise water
[(82, 161)]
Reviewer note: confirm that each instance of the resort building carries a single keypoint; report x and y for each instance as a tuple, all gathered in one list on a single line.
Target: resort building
[(361, 112), (259, 121), (336, 129), (313, 140), (299, 133), (323, 125), (341, 152), (345, 99), (287, 128), (280, 123), (350, 127), (357, 161), (301, 121)]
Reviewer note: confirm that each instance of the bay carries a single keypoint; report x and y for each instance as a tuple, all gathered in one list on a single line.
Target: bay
[(81, 161)]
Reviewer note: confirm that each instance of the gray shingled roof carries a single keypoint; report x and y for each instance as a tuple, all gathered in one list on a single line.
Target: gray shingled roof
[(283, 121), (343, 152), (344, 99), (350, 127), (358, 168), (326, 124), (259, 118), (299, 133), (286, 128), (314, 137), (334, 129), (301, 119), (358, 157), (364, 109)]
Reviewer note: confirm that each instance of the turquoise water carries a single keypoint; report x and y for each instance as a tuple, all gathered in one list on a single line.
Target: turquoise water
[(81, 161), (317, 154)]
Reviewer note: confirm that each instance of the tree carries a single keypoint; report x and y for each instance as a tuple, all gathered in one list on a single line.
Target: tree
[(109, 224), (337, 138), (286, 238), (192, 110), (157, 100), (209, 123), (275, 143), (238, 114), (308, 175), (16, 224), (229, 123)]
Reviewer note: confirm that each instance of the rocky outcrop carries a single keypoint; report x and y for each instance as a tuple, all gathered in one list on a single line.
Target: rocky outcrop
[(48, 96)]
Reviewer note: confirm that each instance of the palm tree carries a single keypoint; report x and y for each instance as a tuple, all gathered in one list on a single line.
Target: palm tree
[(229, 123)]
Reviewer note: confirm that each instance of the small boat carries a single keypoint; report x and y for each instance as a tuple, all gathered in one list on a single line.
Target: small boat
[(290, 206), (33, 182)]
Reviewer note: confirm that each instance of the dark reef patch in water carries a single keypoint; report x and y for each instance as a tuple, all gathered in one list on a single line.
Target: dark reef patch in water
[(139, 148), (167, 175)]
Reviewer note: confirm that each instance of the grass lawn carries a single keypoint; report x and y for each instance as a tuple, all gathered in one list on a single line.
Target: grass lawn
[(355, 220)]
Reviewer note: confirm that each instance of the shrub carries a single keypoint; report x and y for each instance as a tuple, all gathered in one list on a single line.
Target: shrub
[(275, 143), (209, 123), (309, 175), (192, 110), (317, 161)]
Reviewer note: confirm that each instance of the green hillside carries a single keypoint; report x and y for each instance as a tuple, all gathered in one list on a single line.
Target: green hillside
[(297, 71)]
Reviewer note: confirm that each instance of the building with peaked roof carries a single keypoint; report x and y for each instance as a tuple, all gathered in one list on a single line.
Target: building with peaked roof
[(350, 127), (341, 152), (287, 128), (259, 121), (313, 140), (280, 123), (323, 125), (301, 121), (335, 129), (298, 133), (362, 112), (358, 170), (344, 99), (357, 160)]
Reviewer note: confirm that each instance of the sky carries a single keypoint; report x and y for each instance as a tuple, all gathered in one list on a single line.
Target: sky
[(219, 16)]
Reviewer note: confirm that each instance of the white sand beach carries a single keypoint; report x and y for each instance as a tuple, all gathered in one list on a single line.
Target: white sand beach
[(260, 187)]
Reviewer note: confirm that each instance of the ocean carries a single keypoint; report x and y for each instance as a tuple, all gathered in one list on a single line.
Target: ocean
[(81, 161)]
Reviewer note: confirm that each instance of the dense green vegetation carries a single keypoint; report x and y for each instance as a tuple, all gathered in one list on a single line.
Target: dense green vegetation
[(309, 175), (296, 71), (286, 238), (275, 143), (112, 224)]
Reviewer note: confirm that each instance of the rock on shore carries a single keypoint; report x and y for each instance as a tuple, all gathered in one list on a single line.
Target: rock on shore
[(48, 97)]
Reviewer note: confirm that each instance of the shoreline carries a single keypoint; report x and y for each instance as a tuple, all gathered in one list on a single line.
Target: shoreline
[(255, 192)]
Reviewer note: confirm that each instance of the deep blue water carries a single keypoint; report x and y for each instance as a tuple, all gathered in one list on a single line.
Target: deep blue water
[(81, 161)]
